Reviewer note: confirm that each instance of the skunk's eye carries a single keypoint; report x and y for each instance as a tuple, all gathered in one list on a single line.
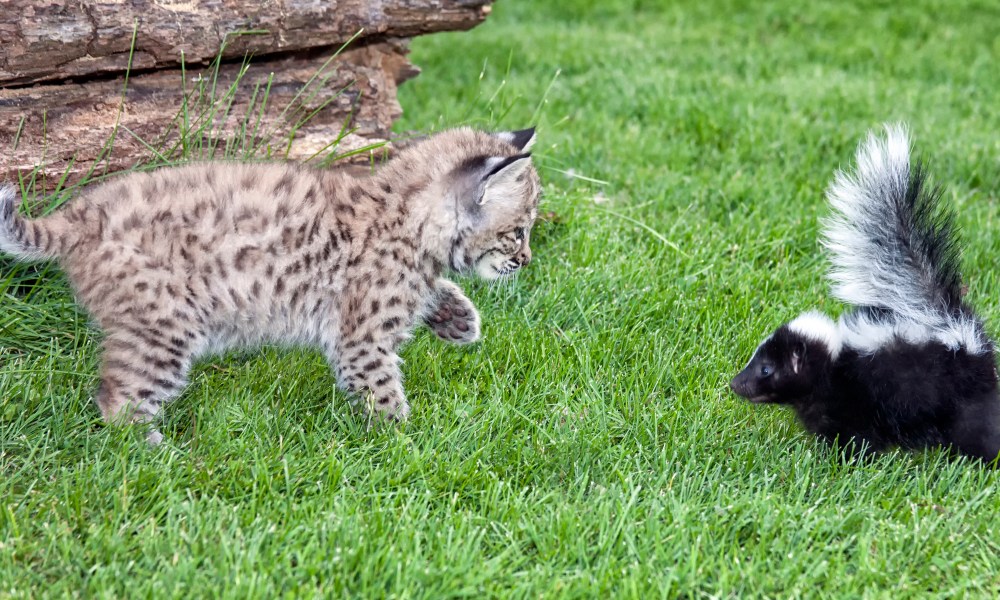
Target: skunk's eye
[(765, 371)]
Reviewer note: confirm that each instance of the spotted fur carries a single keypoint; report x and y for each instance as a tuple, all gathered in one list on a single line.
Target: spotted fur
[(181, 262)]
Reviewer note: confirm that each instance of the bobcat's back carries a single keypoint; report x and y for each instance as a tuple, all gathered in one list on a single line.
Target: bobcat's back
[(217, 240)]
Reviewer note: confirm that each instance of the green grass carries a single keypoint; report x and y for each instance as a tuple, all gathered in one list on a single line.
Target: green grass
[(588, 446)]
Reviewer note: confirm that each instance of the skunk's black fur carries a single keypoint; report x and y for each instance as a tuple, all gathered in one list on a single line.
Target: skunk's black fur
[(910, 365)]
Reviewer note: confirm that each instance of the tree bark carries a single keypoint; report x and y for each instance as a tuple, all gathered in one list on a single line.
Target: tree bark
[(56, 39), (66, 128), (84, 119)]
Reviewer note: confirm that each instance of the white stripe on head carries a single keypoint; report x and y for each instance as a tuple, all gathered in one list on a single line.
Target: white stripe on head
[(815, 325)]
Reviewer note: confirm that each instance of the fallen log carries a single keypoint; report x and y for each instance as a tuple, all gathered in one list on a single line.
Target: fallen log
[(53, 39), (253, 112), (308, 102)]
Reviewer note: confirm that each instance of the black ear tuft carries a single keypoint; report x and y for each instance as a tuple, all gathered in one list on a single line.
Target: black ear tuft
[(523, 138), (504, 163)]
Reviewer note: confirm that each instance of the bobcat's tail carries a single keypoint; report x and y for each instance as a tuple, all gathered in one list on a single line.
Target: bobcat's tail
[(25, 239)]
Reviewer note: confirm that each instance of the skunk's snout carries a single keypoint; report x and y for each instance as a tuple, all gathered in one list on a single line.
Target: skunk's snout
[(739, 385)]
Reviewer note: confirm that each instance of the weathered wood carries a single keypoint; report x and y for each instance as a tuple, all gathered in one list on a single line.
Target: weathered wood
[(65, 127), (55, 39), (62, 67)]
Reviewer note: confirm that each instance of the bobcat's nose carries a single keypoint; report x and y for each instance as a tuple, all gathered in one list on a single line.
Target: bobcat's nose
[(524, 256)]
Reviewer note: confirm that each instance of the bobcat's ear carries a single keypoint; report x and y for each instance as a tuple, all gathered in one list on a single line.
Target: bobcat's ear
[(522, 139), (502, 173), (484, 178)]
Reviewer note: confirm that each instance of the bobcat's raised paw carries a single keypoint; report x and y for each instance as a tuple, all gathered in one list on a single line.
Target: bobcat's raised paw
[(454, 317)]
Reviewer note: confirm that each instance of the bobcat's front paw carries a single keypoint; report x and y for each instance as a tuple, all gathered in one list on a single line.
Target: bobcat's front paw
[(384, 417), (454, 317), (401, 414)]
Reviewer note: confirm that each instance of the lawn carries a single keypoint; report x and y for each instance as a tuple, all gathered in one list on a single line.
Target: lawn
[(589, 445)]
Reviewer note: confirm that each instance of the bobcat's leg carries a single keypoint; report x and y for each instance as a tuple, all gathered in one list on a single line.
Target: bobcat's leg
[(139, 375), (370, 371)]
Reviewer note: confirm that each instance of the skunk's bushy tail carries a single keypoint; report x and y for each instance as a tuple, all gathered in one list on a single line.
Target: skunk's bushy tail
[(24, 239), (892, 244), (894, 249)]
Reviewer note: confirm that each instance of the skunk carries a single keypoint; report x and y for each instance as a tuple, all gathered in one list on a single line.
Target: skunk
[(909, 365)]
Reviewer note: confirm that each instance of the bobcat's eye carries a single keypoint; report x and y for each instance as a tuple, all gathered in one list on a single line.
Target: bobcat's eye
[(519, 234)]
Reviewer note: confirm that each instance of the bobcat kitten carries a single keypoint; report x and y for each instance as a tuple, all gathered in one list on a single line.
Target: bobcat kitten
[(183, 261)]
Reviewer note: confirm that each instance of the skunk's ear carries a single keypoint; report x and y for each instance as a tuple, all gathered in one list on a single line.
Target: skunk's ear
[(798, 356), (522, 139)]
